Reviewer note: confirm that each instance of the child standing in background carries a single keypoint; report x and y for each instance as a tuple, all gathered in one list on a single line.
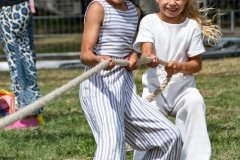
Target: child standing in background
[(109, 100), (16, 33), (174, 34)]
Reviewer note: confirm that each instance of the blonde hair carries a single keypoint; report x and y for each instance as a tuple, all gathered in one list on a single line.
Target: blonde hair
[(209, 30)]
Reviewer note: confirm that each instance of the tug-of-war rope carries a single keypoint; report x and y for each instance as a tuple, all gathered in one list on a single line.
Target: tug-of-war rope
[(56, 93)]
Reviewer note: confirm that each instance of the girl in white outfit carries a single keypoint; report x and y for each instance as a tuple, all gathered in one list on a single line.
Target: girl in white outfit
[(174, 34)]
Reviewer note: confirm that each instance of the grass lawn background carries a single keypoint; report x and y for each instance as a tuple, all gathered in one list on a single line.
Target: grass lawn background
[(67, 136)]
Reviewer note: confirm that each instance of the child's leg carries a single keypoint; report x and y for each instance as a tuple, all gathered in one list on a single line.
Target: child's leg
[(107, 125), (103, 105), (138, 155), (147, 129), (190, 119)]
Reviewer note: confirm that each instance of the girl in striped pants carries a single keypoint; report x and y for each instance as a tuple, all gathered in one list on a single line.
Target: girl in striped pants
[(109, 100)]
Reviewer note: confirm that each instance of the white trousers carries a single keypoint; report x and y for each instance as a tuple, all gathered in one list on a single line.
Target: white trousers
[(189, 113)]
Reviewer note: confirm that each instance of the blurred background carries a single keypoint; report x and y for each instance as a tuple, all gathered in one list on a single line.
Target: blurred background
[(58, 24)]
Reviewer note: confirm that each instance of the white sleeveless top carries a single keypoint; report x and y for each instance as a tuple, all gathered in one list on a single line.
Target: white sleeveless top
[(117, 31)]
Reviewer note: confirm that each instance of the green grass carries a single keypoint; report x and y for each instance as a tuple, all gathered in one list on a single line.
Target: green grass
[(67, 136), (56, 44)]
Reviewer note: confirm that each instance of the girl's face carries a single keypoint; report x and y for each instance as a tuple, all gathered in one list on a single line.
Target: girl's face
[(170, 10)]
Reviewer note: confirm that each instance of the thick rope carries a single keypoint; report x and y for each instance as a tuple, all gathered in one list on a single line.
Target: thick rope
[(162, 86), (56, 93), (159, 89)]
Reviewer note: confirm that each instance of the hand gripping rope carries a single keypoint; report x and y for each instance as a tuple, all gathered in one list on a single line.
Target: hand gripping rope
[(56, 93)]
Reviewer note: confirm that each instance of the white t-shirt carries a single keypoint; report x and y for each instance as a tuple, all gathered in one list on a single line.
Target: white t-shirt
[(176, 42)]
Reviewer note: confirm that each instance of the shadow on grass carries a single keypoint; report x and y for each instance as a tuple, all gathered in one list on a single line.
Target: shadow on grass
[(7, 158), (49, 116), (42, 139), (52, 137)]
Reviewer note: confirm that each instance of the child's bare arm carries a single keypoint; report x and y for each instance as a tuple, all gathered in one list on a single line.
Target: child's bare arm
[(93, 22), (194, 65)]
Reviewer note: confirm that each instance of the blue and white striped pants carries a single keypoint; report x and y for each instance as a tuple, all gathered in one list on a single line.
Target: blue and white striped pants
[(117, 114), (16, 33)]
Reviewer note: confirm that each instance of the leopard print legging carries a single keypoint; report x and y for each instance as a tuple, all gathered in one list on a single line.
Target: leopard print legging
[(16, 32)]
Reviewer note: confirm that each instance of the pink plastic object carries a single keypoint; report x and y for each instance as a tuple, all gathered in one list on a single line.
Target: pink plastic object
[(20, 124)]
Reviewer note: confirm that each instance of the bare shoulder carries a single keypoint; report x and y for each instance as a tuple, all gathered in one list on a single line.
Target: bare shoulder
[(96, 7), (95, 12)]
